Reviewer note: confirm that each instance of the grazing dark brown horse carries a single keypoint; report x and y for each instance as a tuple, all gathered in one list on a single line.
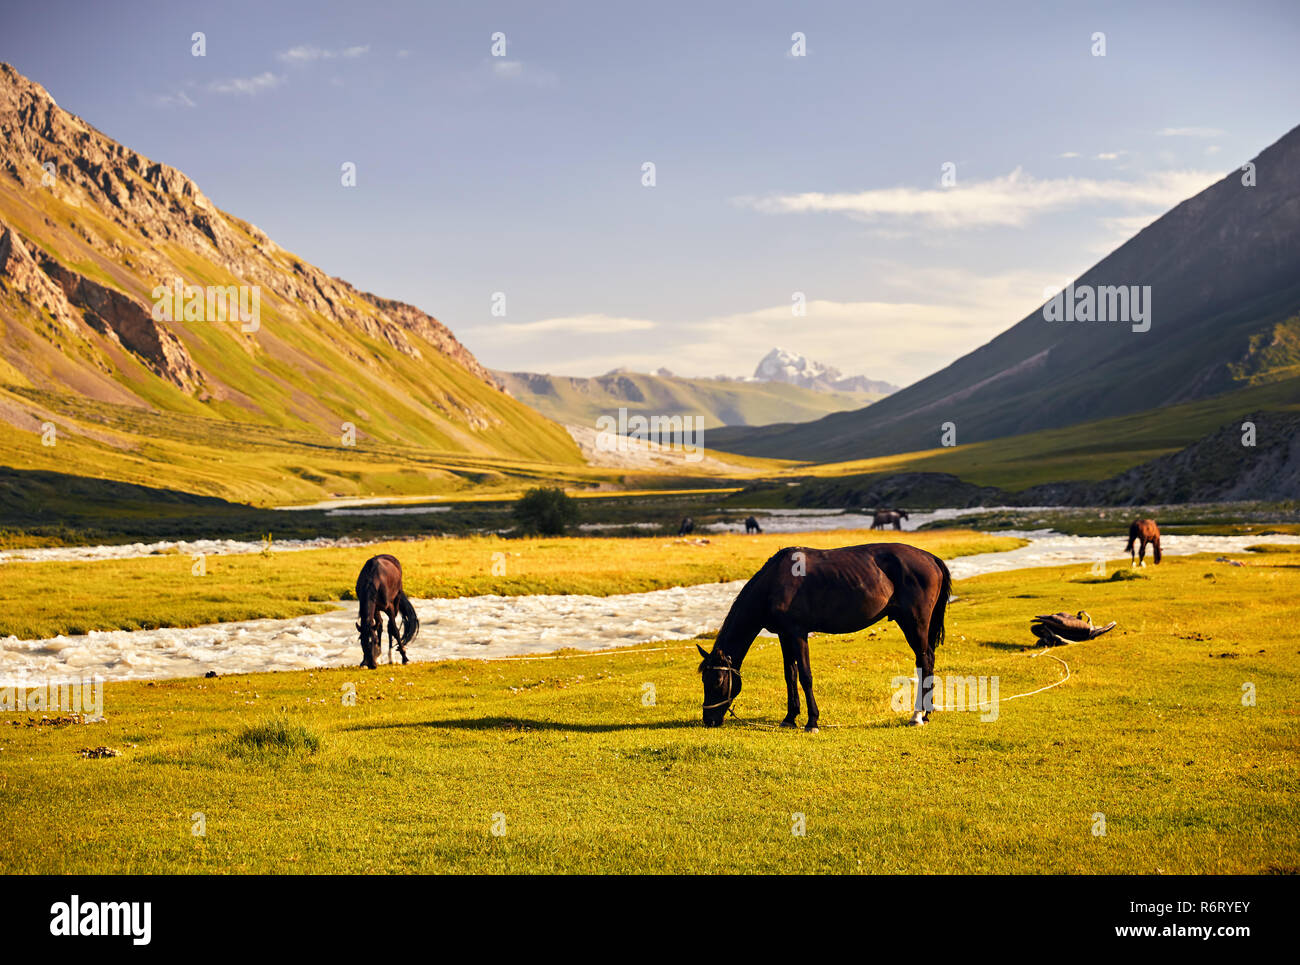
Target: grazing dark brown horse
[(843, 590), (887, 517), (687, 527), (1146, 531), (751, 525), (379, 591)]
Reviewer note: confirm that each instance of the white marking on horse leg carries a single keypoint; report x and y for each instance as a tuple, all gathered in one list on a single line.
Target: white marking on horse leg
[(918, 713)]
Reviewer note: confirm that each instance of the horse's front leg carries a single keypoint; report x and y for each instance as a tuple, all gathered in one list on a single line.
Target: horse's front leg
[(805, 678), (790, 664)]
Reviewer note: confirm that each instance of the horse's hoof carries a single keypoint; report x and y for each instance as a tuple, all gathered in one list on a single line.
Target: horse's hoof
[(788, 723), (812, 729), (917, 721)]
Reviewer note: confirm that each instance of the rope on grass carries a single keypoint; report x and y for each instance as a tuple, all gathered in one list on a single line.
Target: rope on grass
[(880, 720), (761, 726), (575, 656)]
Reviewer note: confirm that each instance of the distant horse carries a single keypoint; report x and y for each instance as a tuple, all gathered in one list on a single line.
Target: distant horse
[(751, 525), (887, 517), (687, 527), (841, 590), (1147, 531), (379, 591)]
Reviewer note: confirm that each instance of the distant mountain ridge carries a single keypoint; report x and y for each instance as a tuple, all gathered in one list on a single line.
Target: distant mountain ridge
[(721, 402), (1224, 274), (779, 365)]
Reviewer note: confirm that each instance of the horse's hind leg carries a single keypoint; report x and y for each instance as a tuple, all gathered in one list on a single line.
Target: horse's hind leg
[(393, 638), (805, 678), (917, 633)]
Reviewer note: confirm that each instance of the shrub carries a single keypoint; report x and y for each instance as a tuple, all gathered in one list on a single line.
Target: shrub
[(277, 736), (546, 511)]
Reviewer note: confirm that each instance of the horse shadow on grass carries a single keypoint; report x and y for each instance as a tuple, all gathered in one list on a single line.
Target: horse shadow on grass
[(522, 724), (1005, 645)]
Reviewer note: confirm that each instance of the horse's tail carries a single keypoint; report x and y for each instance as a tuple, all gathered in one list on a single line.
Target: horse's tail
[(410, 622), (1132, 537), (1156, 543), (940, 606)]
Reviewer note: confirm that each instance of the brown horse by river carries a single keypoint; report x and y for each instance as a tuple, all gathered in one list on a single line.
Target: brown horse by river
[(379, 591), (1146, 531), (801, 590), (888, 517)]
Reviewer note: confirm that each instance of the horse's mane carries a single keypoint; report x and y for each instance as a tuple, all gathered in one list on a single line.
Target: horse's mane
[(748, 599)]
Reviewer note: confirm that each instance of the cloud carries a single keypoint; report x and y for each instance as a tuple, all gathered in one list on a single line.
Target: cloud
[(1109, 156), (592, 324), (1069, 154), (1190, 132), (517, 72), (922, 319), (179, 99), (247, 85), (306, 53), (1012, 200)]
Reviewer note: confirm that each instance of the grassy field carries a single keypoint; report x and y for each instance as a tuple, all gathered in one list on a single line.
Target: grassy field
[(583, 774), (163, 591)]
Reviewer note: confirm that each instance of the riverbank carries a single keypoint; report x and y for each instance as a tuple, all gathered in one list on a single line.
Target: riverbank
[(174, 590), (491, 625)]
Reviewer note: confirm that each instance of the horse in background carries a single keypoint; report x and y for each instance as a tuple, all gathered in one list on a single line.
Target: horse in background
[(687, 527), (751, 525), (379, 591), (801, 590), (1146, 531), (887, 517)]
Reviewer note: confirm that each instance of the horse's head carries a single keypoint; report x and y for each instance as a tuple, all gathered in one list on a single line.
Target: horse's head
[(902, 514), (370, 649), (721, 685)]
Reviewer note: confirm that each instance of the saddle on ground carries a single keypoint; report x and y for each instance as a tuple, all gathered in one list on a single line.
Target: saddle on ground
[(1055, 629)]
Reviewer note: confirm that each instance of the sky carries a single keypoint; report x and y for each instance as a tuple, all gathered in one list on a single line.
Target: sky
[(916, 175)]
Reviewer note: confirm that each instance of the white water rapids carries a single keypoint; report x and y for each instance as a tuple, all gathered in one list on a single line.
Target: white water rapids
[(481, 626)]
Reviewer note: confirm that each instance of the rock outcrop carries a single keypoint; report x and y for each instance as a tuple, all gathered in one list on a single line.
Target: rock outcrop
[(20, 273)]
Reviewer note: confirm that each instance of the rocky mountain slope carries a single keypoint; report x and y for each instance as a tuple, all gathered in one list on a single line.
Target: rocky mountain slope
[(1223, 270), (90, 233)]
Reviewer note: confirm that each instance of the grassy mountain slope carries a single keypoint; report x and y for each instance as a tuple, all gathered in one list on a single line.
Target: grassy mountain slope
[(1224, 272), (1090, 451), (89, 228), (580, 401)]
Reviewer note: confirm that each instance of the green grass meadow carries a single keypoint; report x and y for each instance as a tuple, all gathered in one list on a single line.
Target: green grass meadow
[(581, 771)]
